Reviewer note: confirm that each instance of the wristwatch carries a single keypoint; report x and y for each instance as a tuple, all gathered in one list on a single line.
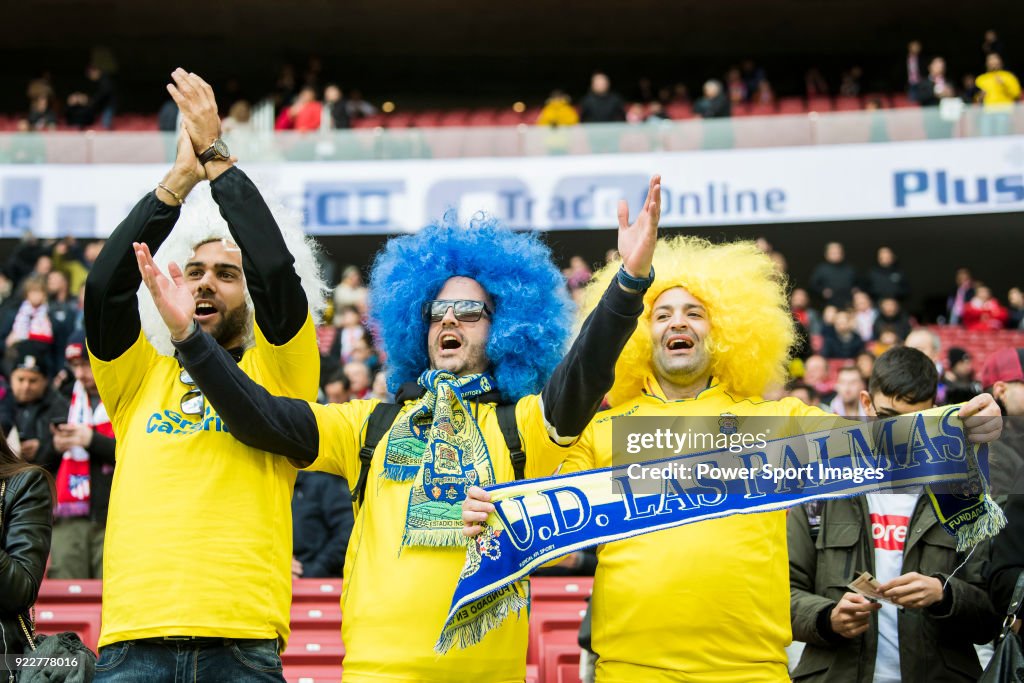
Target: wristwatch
[(217, 151), (640, 285)]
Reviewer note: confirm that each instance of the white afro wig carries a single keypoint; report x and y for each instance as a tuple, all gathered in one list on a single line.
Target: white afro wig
[(200, 222)]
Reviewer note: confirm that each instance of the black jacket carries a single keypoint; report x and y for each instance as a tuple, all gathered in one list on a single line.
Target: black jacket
[(33, 422), (888, 281), (322, 523), (24, 547), (838, 278), (1008, 550), (605, 108)]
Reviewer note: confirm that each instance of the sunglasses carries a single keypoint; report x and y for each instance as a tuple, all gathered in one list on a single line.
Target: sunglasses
[(466, 310), (192, 403)]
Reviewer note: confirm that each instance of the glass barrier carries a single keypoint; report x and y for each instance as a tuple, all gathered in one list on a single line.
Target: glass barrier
[(952, 120)]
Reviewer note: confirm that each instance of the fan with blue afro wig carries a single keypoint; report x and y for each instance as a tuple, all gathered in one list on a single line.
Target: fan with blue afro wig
[(532, 317)]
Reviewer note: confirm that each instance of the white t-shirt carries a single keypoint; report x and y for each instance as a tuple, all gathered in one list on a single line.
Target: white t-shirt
[(890, 523)]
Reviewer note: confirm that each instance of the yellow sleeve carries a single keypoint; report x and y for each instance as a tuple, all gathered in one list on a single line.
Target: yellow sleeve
[(544, 457), (342, 427), (295, 365), (545, 117), (118, 380)]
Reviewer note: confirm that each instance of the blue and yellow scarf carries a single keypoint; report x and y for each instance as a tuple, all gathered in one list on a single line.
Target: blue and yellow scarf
[(438, 443)]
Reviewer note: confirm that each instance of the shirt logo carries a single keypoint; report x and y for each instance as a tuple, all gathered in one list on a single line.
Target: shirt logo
[(889, 532)]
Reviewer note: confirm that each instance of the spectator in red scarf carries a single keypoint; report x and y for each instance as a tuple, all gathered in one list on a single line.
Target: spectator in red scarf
[(83, 459), (984, 312)]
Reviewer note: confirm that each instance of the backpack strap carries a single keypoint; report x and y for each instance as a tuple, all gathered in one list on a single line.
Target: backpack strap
[(510, 430), (378, 424)]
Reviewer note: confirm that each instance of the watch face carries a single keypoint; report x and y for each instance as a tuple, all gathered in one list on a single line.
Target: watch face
[(221, 148)]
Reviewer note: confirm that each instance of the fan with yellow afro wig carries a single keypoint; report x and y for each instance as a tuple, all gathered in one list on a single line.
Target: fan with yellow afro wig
[(752, 329)]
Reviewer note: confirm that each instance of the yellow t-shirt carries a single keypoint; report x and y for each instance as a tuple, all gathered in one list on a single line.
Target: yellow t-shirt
[(199, 533), (706, 602), (394, 600), (999, 87)]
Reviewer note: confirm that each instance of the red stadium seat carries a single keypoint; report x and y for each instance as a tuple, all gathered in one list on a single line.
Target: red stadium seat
[(902, 101), (81, 619), (315, 590), (568, 673), (848, 104), (678, 110), (313, 673), (532, 674), (317, 647), (792, 105), (819, 104), (70, 591), (761, 109), (313, 616), (574, 589), (547, 627), (557, 655)]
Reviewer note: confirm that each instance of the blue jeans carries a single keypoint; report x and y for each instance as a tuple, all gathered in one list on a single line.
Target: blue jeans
[(182, 661)]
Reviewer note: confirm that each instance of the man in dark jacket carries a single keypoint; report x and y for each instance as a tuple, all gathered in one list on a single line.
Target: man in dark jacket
[(82, 460), (601, 105), (928, 631), (834, 279), (322, 523), (886, 278), (36, 404)]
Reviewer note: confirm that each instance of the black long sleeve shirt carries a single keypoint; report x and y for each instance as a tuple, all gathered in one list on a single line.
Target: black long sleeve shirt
[(111, 305), (288, 426)]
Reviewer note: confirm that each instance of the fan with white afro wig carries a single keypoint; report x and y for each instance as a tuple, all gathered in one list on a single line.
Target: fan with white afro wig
[(201, 222)]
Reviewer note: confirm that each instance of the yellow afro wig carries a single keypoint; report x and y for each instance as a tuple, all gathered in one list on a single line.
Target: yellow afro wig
[(752, 330)]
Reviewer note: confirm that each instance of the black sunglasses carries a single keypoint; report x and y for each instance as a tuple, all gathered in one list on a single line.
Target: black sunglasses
[(192, 403), (466, 310)]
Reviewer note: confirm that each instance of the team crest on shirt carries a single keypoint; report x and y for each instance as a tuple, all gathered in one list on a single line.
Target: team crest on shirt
[(728, 423)]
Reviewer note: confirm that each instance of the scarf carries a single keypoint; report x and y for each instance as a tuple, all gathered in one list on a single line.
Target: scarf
[(539, 520), (33, 323), (73, 485), (437, 444)]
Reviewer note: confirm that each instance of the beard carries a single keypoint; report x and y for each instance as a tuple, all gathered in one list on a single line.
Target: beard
[(682, 370), (472, 360), (232, 326)]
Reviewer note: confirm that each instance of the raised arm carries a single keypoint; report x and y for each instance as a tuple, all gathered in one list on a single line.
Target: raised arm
[(573, 394), (111, 306), (276, 424), (276, 290)]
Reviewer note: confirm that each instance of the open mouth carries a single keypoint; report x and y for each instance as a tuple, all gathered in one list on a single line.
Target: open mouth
[(205, 309), (679, 342), (449, 342)]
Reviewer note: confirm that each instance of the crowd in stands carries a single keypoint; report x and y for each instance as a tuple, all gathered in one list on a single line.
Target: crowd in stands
[(861, 315), (312, 101)]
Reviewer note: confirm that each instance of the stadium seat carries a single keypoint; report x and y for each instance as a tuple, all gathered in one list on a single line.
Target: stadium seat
[(557, 655), (819, 104), (547, 627), (313, 673), (532, 674), (848, 104), (315, 590), (678, 110), (762, 109), (902, 101), (319, 647), (568, 673), (313, 616), (549, 589), (792, 105), (70, 591), (81, 619)]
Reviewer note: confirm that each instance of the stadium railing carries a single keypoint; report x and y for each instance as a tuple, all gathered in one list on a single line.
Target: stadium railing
[(743, 132)]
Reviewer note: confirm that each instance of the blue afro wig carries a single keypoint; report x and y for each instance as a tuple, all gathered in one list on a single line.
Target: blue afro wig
[(533, 313)]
